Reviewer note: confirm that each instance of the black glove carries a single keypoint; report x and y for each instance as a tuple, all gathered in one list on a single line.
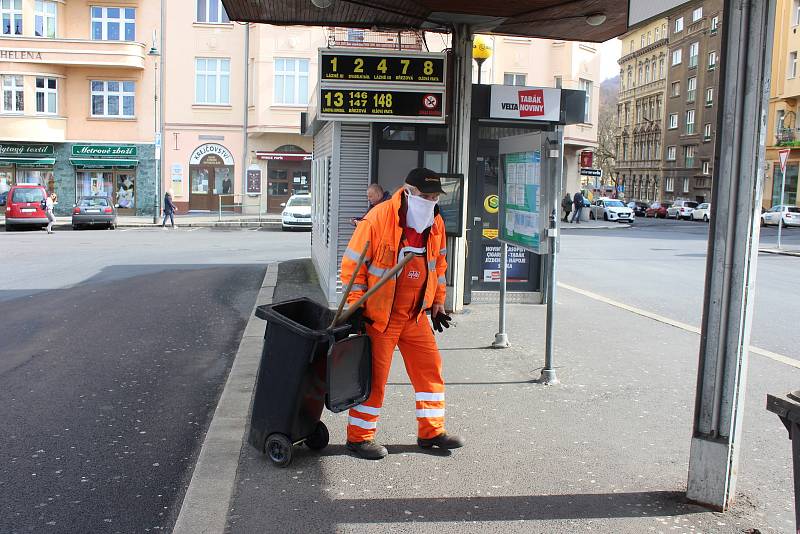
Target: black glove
[(441, 320), (357, 321)]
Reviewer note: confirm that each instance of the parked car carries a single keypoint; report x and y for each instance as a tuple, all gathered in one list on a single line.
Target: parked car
[(3, 197), (639, 208), (24, 206), (681, 209), (297, 212), (658, 210), (94, 211), (791, 216), (611, 209), (702, 212)]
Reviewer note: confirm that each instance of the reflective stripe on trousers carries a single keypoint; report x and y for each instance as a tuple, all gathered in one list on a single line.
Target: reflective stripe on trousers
[(420, 355)]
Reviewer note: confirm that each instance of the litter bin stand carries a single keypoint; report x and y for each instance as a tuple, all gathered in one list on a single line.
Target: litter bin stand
[(787, 407)]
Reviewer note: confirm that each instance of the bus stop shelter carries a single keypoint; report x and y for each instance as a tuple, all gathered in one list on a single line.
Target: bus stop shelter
[(737, 186)]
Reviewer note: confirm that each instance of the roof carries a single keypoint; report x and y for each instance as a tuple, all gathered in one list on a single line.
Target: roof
[(549, 19)]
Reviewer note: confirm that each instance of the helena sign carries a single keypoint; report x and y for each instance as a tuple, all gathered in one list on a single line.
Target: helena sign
[(104, 151)]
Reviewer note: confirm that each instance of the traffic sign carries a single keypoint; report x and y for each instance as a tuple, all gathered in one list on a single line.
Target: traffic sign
[(783, 154), (597, 173)]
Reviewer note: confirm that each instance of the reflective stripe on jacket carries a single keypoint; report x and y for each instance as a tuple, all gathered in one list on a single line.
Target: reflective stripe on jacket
[(381, 227)]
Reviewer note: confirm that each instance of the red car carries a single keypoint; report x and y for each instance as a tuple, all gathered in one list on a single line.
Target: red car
[(658, 210), (24, 206)]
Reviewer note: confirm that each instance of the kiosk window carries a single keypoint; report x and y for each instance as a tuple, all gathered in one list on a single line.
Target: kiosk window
[(399, 133)]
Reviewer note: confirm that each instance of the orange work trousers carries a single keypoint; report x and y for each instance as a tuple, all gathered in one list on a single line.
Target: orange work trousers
[(420, 354)]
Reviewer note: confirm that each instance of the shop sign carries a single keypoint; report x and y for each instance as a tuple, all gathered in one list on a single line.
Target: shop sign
[(104, 151), (20, 55), (541, 104), (254, 181), (587, 158), (211, 149), (596, 173), (382, 66), (517, 268), (284, 156), (372, 105), (23, 150)]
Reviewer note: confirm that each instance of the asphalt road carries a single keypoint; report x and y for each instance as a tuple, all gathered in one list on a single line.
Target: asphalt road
[(659, 265), (115, 349)]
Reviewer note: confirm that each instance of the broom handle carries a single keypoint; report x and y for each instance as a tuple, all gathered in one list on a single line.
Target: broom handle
[(350, 284), (386, 277)]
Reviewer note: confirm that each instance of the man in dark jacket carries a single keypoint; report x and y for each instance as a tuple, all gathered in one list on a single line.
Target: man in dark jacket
[(566, 205), (375, 195), (577, 202)]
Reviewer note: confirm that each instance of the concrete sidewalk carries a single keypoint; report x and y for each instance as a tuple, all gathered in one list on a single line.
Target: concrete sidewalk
[(607, 450), (189, 220)]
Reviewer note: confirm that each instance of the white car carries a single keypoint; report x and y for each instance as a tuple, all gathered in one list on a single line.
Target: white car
[(611, 209), (702, 212), (791, 216), (296, 212), (681, 209)]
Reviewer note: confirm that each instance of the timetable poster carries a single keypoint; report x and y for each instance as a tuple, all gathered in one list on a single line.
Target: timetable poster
[(522, 199)]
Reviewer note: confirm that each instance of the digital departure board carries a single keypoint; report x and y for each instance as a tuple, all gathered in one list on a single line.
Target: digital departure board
[(354, 103), (380, 66)]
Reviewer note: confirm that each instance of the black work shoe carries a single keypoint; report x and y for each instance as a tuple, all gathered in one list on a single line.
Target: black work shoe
[(443, 441), (369, 450)]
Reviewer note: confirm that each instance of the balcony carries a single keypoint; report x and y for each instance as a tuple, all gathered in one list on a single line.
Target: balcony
[(359, 38), (73, 52), (785, 136), (642, 90)]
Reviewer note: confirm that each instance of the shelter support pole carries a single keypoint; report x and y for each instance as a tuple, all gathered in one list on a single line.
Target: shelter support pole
[(732, 252), (460, 74)]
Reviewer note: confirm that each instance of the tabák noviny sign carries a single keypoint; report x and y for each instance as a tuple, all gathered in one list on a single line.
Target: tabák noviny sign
[(541, 104)]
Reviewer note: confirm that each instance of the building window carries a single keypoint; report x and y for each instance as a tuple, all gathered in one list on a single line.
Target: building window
[(697, 14), (712, 60), (688, 155), (690, 121), (46, 12), (678, 25), (212, 80), (643, 41), (661, 68), (211, 12), (677, 57), (714, 24), (673, 121), (586, 85), (676, 89), (671, 151), (709, 96), (113, 23), (13, 94), (691, 89), (113, 98), (11, 16), (291, 81), (649, 37), (557, 81), (706, 167), (792, 64), (47, 95), (694, 51), (641, 74), (685, 185), (669, 184), (796, 13), (511, 78), (647, 72), (658, 30), (707, 132)]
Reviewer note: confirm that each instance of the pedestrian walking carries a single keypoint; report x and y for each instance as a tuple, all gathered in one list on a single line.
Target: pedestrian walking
[(375, 195), (577, 202), (566, 205), (169, 210), (408, 223), (49, 204)]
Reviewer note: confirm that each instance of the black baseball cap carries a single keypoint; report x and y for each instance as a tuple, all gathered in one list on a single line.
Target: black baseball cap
[(425, 180)]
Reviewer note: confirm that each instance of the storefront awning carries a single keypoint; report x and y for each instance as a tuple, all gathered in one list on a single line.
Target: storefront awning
[(27, 161), (103, 163)]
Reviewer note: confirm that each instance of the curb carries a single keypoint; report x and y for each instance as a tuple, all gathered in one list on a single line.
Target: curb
[(207, 500), (778, 252), (255, 224)]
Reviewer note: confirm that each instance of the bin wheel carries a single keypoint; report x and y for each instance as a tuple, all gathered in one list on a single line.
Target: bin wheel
[(279, 450), (319, 438)]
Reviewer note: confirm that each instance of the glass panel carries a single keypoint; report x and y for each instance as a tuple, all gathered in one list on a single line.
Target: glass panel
[(52, 102), (129, 87), (39, 102), (39, 82), (112, 31), (97, 12), (112, 12), (97, 86), (399, 133), (199, 181), (130, 31), (201, 10), (224, 89), (213, 11), (125, 191), (51, 28), (288, 90), (39, 26), (113, 87), (113, 105), (130, 13), (211, 90), (97, 105), (222, 180), (224, 14), (51, 83), (279, 97), (303, 65), (128, 106), (302, 90), (199, 90), (97, 31)]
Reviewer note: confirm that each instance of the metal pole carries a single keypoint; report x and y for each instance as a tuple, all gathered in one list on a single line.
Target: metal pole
[(780, 217), (501, 338), (156, 129)]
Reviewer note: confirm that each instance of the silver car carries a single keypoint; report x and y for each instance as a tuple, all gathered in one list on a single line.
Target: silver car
[(94, 211), (790, 215)]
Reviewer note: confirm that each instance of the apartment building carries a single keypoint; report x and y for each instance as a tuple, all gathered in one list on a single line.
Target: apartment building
[(782, 130), (640, 110), (695, 42), (78, 92)]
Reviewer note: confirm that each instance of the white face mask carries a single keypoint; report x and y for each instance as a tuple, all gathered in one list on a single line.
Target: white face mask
[(419, 215)]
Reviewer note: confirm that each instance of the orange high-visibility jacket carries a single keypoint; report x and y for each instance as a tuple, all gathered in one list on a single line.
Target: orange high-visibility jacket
[(381, 227)]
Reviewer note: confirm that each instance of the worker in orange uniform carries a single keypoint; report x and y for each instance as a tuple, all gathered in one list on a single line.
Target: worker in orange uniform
[(408, 223)]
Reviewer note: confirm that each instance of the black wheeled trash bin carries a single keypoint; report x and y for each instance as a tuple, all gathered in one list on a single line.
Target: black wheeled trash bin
[(305, 365)]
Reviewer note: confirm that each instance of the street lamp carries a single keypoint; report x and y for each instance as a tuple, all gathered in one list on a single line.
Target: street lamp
[(155, 54), (481, 51)]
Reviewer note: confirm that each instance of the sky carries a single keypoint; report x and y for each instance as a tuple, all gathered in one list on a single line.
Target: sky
[(609, 54)]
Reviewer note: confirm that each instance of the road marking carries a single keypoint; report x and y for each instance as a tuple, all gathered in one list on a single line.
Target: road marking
[(672, 322)]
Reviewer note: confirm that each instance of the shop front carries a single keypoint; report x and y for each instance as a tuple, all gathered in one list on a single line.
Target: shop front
[(22, 163), (288, 173), (211, 174), (107, 170)]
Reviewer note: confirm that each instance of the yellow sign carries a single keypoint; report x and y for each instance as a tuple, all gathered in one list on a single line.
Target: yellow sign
[(491, 204), (490, 233), (481, 48)]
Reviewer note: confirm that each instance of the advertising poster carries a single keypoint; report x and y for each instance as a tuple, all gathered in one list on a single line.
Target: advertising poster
[(517, 268)]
